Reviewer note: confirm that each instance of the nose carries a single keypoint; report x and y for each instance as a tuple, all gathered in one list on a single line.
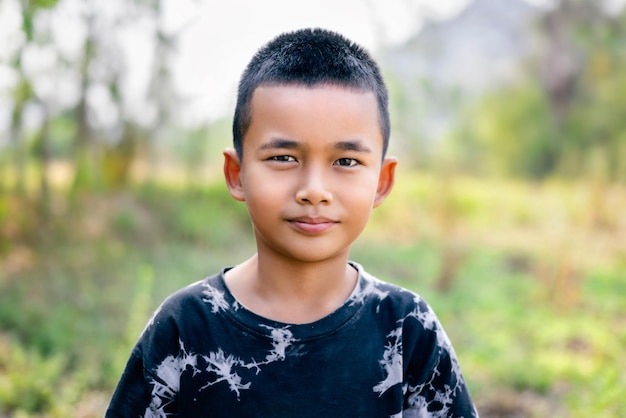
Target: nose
[(313, 188)]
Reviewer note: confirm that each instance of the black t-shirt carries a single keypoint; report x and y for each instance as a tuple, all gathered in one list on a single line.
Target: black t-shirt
[(383, 353)]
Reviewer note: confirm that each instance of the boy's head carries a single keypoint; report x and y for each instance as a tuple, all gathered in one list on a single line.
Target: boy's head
[(309, 57)]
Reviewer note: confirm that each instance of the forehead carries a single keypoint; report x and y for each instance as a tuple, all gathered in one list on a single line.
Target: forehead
[(319, 113)]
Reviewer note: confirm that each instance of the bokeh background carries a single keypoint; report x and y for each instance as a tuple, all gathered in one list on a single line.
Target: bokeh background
[(509, 215)]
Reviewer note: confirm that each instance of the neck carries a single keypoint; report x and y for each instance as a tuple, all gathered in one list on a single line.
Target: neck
[(292, 292)]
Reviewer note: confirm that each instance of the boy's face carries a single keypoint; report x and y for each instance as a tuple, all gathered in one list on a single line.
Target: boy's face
[(312, 169)]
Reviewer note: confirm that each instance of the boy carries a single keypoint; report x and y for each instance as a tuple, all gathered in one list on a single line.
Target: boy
[(297, 330)]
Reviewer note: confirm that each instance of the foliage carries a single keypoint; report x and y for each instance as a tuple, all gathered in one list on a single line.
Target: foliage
[(100, 261), (535, 316), (528, 278), (513, 128), (511, 337), (561, 118), (554, 121)]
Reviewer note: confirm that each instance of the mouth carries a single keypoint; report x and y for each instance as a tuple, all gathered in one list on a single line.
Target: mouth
[(312, 224)]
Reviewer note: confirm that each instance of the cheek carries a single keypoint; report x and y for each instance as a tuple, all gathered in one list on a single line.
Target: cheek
[(256, 180), (362, 192), (359, 202), (263, 192)]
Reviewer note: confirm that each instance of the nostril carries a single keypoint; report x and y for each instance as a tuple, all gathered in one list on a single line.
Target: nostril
[(313, 197)]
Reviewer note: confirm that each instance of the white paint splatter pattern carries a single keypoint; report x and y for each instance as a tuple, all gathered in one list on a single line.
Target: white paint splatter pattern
[(167, 382), (215, 297), (282, 339), (218, 366), (370, 288), (392, 364), (222, 365)]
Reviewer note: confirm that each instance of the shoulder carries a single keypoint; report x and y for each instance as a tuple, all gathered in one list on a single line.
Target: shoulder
[(395, 302), (180, 315), (204, 294), (374, 290)]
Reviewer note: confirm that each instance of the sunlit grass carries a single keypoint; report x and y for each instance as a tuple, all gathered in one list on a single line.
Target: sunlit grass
[(528, 281)]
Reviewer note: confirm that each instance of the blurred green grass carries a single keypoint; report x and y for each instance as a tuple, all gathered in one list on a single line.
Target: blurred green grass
[(528, 281)]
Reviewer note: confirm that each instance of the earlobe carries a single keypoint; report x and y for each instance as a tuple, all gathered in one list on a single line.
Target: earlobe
[(232, 174), (385, 179)]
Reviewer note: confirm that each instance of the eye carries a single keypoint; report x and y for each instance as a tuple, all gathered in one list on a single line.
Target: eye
[(283, 158), (346, 162)]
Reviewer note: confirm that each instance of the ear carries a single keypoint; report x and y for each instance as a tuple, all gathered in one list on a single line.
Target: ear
[(385, 179), (232, 174)]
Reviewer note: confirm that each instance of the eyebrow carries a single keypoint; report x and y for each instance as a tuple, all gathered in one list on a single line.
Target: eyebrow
[(279, 143), (357, 146)]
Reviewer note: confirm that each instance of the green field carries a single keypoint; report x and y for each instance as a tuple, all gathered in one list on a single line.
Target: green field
[(528, 280)]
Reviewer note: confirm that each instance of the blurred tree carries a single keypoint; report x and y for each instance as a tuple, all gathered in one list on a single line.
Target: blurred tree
[(23, 92), (602, 105), (161, 91), (133, 134), (110, 126), (84, 164), (513, 127), (565, 117)]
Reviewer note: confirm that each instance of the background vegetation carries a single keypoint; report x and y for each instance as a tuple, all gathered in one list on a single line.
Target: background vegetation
[(512, 225)]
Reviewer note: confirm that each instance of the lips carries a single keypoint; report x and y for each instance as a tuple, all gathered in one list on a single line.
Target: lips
[(312, 225)]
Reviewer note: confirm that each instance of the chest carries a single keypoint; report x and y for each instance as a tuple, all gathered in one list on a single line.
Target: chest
[(349, 374)]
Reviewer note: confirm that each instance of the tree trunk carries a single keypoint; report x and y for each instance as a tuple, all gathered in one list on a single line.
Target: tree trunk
[(19, 156), (44, 162), (84, 164)]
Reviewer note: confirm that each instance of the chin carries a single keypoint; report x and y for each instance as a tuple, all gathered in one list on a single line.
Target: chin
[(308, 256)]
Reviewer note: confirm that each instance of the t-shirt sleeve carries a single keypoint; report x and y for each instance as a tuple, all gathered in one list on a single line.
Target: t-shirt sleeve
[(147, 382), (132, 394), (435, 386)]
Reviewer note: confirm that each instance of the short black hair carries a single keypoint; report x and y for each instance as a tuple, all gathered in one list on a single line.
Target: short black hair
[(310, 57)]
